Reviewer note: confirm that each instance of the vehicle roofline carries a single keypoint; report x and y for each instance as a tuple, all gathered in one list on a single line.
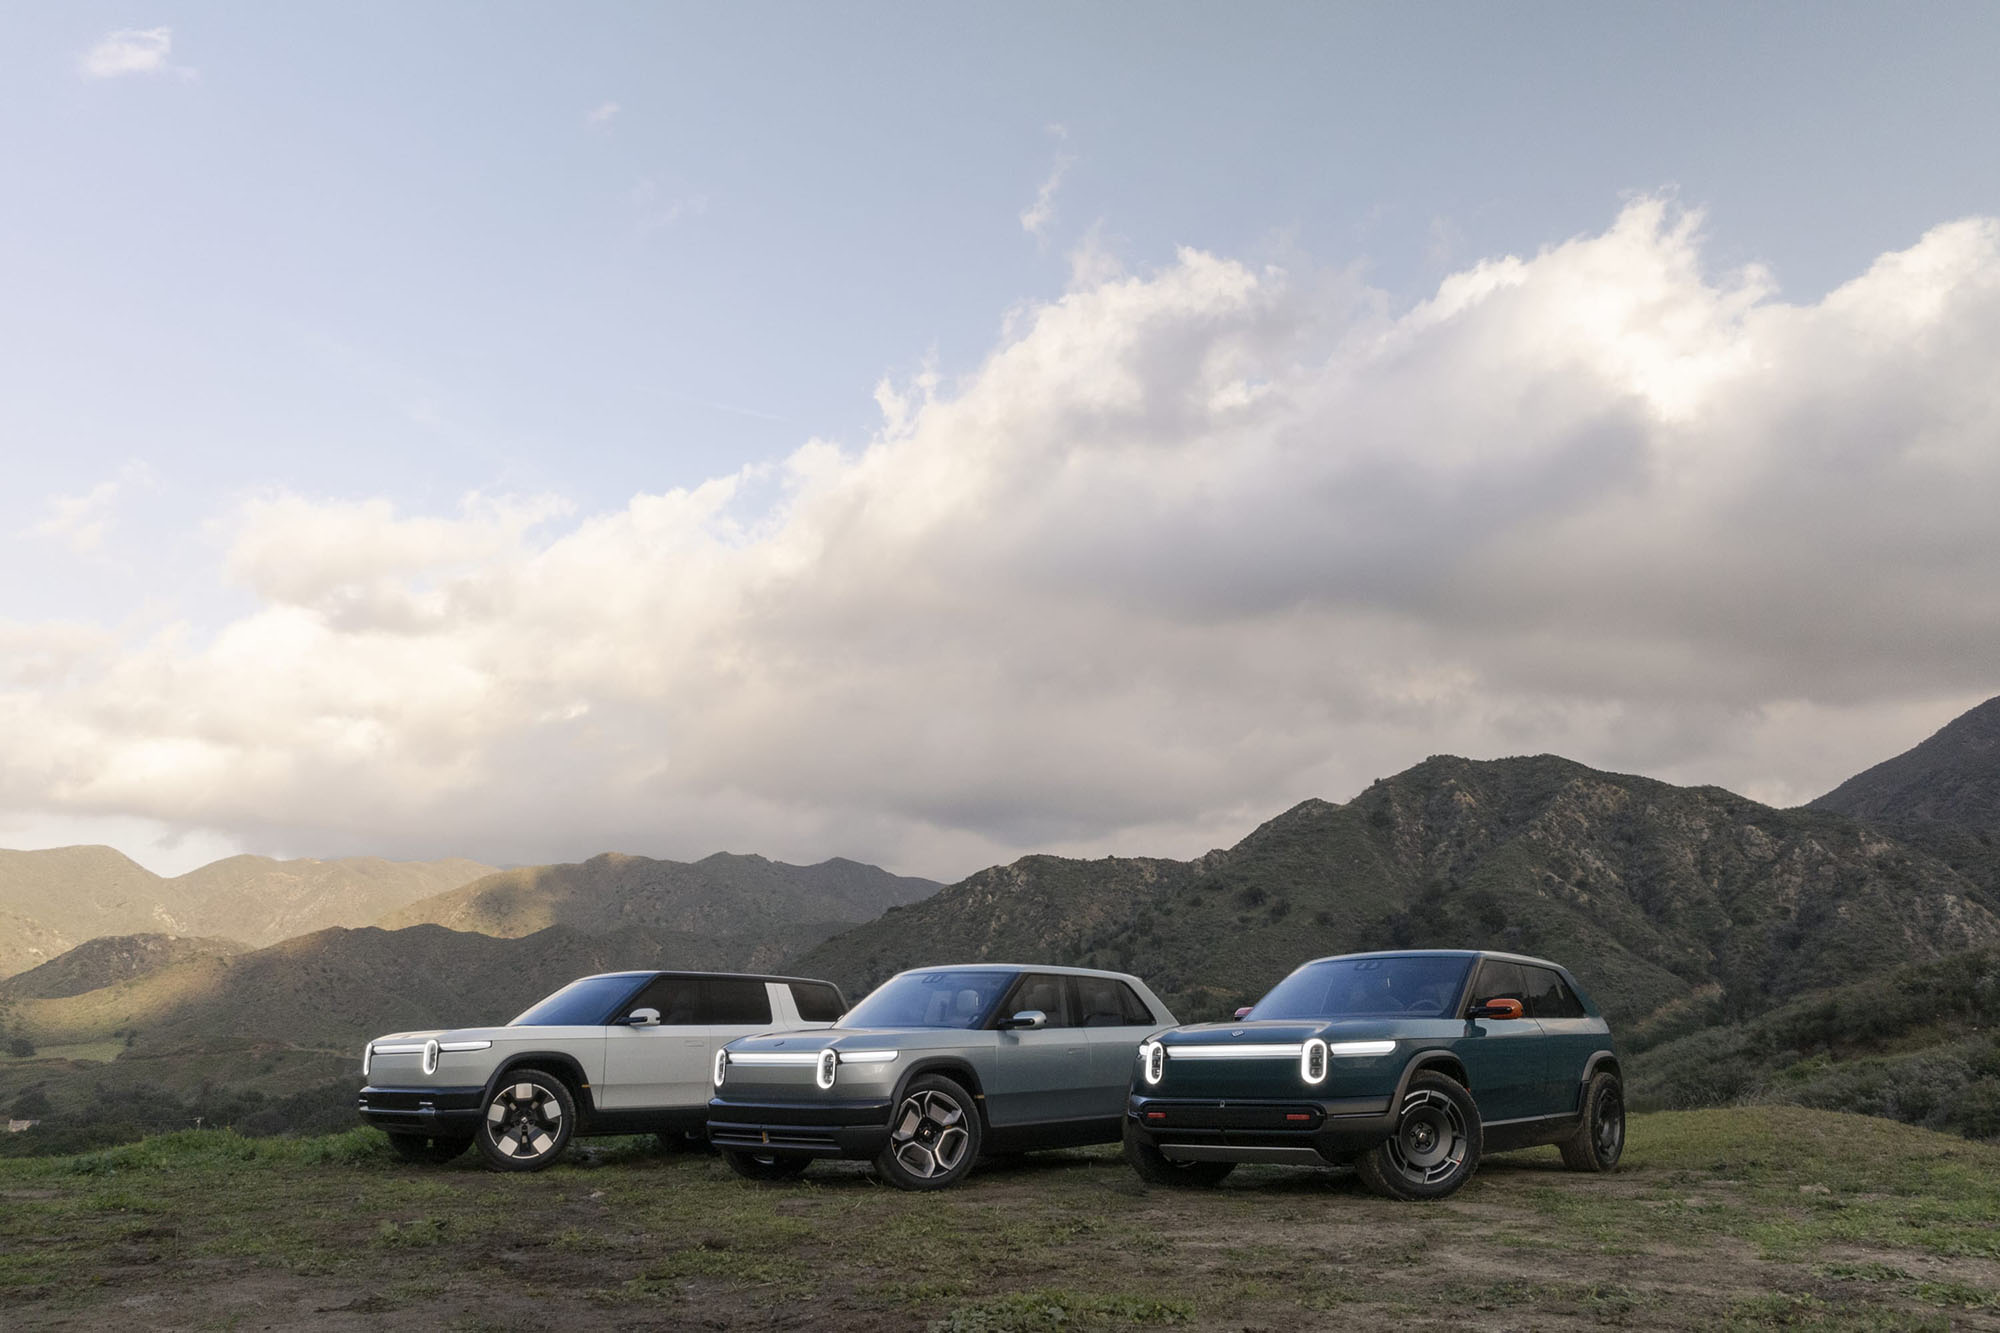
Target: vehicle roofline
[(691, 972), (1500, 954), (1058, 969)]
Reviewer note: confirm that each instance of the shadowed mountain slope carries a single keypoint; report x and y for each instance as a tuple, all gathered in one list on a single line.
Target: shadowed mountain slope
[(51, 901), (721, 894), (109, 960), (1952, 778), (1654, 895)]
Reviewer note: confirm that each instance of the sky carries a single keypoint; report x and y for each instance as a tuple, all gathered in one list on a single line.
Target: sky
[(929, 434)]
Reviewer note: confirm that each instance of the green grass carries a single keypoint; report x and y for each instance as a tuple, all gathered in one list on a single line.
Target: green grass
[(1748, 1219)]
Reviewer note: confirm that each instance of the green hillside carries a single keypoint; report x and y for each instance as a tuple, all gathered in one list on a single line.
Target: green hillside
[(719, 894), (1952, 778), (1659, 897)]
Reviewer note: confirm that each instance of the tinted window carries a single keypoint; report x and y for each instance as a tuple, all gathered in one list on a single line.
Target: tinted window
[(1501, 981), (581, 1003), (677, 998), (817, 1001), (1106, 1002), (1420, 986), (1039, 990), (954, 999), (1549, 997), (735, 1000)]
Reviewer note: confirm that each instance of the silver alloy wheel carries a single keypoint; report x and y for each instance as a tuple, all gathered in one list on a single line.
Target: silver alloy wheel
[(1430, 1141), (524, 1120), (929, 1138)]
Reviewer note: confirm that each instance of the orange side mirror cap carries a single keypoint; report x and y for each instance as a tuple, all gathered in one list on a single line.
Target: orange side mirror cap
[(1496, 1008)]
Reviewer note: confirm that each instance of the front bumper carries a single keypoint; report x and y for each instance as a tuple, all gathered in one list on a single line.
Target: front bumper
[(421, 1110), (1303, 1133), (857, 1127)]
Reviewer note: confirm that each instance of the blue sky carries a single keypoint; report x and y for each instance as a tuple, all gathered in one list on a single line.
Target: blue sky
[(293, 260)]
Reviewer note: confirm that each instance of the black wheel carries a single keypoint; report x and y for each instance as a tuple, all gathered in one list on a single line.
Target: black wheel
[(1600, 1139), (1156, 1168), (933, 1136), (765, 1165), (529, 1120), (433, 1149), (1435, 1148)]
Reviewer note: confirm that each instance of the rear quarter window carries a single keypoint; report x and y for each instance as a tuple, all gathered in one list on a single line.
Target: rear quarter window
[(735, 1000), (1549, 996), (817, 1002)]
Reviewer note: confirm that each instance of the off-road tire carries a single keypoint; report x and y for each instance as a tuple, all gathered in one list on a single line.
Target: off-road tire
[(527, 1121), (934, 1135), (1156, 1168), (766, 1165), (1600, 1140), (1436, 1144), (431, 1149)]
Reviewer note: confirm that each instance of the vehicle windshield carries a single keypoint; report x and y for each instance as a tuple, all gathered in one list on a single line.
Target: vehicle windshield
[(1423, 986), (579, 1004), (955, 999)]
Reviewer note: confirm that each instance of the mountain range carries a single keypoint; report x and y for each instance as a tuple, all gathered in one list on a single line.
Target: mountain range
[(1741, 950), (52, 901)]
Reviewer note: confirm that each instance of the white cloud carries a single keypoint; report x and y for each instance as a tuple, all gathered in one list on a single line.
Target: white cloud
[(80, 522), (132, 51), (1190, 545), (601, 114), (1036, 217)]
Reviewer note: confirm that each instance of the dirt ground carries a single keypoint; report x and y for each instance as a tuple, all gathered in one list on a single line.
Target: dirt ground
[(1782, 1221)]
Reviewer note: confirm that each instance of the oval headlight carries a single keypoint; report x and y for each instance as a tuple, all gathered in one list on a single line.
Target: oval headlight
[(367, 1058), (1312, 1061), (1153, 1063), (823, 1071), (721, 1063), (430, 1057)]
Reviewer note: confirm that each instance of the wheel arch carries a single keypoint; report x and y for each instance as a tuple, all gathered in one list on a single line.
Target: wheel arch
[(1439, 1061), (958, 1068), (1605, 1062), (558, 1063)]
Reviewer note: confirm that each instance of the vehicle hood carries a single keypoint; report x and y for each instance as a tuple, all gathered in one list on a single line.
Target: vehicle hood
[(1246, 1033), (502, 1033), (860, 1039)]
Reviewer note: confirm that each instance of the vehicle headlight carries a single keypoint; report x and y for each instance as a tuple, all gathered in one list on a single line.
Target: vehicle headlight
[(367, 1058), (1152, 1062), (1312, 1061), (721, 1063), (430, 1057), (823, 1071)]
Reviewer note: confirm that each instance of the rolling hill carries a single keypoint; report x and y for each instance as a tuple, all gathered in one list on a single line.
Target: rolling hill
[(51, 901), (720, 894), (1674, 905)]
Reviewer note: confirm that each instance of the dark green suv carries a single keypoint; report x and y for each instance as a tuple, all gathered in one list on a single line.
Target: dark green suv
[(1408, 1065)]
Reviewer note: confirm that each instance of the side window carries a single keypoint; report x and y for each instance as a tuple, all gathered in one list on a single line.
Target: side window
[(1550, 997), (735, 1000), (677, 998), (817, 1001), (1136, 1012), (1106, 1002), (1038, 990), (1501, 981)]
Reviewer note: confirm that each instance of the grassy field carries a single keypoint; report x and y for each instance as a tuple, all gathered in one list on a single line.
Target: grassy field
[(1731, 1219)]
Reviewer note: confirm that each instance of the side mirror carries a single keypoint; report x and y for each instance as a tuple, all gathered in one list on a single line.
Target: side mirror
[(643, 1018), (1496, 1009), (1027, 1018), (1244, 1012)]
